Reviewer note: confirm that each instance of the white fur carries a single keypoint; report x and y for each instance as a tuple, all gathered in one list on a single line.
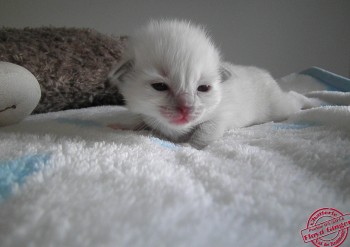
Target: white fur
[(182, 56)]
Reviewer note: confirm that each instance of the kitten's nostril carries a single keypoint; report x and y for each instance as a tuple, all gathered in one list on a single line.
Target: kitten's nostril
[(184, 110)]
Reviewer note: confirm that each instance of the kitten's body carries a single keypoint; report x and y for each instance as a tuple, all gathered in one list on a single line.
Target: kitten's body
[(174, 78)]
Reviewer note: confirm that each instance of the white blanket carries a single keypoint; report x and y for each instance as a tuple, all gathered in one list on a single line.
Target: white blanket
[(67, 179)]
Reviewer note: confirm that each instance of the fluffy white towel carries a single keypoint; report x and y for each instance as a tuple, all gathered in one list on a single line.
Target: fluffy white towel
[(67, 179)]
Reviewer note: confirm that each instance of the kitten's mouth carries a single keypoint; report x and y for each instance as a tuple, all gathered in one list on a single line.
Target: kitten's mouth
[(181, 120), (180, 116)]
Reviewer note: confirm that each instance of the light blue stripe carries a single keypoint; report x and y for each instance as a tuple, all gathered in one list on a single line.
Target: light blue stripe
[(333, 81), (286, 126), (15, 171), (164, 143)]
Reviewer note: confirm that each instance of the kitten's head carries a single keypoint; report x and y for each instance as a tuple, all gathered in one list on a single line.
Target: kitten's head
[(175, 78)]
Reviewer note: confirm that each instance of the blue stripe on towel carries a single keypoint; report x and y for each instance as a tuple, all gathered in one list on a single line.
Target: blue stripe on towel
[(15, 171), (164, 143), (333, 81), (286, 126)]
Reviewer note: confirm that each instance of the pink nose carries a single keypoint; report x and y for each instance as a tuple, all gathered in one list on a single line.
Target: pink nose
[(184, 110)]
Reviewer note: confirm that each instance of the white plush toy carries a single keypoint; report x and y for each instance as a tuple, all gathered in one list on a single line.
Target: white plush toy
[(19, 93)]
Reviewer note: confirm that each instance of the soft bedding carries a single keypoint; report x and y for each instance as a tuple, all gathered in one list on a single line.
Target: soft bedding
[(69, 179)]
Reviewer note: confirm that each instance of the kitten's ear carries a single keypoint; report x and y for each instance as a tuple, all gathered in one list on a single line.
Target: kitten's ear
[(225, 72), (118, 73), (121, 69)]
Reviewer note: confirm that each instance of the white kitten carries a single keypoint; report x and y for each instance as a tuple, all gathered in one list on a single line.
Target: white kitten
[(174, 78)]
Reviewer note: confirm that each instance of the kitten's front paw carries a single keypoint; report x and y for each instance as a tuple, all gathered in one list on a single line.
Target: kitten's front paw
[(207, 133), (138, 127), (185, 145), (116, 126), (197, 144), (127, 121)]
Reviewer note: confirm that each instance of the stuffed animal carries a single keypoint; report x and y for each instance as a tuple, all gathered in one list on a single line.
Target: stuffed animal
[(19, 93), (70, 64)]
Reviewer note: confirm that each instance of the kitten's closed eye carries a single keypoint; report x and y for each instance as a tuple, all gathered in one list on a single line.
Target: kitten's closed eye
[(204, 88), (160, 86)]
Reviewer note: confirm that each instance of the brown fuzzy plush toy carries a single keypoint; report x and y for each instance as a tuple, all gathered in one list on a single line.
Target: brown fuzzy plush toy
[(70, 64)]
